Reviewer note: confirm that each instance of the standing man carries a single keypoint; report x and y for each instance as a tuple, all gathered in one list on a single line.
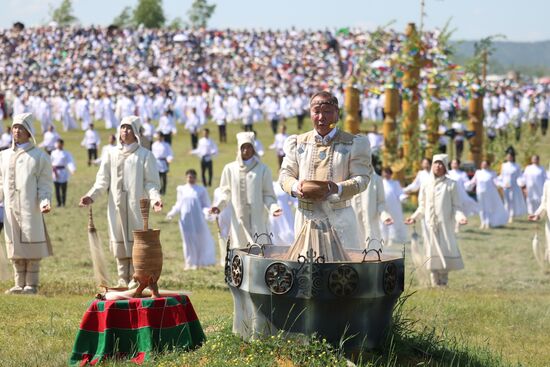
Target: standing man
[(164, 156), (62, 166), (248, 185), (26, 188), (326, 153), (128, 173), (206, 150), (91, 143), (438, 204)]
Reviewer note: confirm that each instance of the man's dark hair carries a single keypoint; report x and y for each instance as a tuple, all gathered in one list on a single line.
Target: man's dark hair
[(191, 172), (331, 99)]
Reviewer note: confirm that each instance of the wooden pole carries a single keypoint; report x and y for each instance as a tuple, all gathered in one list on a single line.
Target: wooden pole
[(432, 119), (389, 153), (475, 123), (351, 108), (411, 79)]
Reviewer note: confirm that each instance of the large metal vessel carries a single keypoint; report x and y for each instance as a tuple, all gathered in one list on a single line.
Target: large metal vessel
[(339, 301)]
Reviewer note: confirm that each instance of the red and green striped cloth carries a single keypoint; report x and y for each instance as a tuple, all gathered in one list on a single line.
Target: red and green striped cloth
[(132, 329)]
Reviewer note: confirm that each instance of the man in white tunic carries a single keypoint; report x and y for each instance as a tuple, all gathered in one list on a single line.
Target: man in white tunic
[(327, 154), (129, 173), (534, 176), (206, 150), (247, 183), (91, 142), (62, 167), (198, 244), (26, 189), (164, 156), (439, 205)]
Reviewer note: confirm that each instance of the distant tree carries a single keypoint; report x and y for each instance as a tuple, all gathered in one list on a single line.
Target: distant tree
[(176, 23), (63, 15), (149, 13), (200, 12), (125, 19)]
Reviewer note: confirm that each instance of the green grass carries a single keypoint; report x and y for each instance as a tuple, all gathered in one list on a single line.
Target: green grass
[(494, 313)]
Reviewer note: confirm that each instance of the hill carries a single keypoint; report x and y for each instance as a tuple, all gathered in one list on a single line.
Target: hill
[(530, 58)]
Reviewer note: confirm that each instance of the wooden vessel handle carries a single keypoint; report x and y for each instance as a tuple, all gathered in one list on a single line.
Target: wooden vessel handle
[(144, 207)]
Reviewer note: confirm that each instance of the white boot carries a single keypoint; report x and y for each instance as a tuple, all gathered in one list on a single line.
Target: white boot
[(19, 270), (32, 276), (123, 269)]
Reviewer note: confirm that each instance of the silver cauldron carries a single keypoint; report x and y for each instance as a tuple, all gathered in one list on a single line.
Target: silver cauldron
[(339, 301)]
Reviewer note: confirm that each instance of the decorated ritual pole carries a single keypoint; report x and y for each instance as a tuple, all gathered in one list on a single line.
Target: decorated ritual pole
[(351, 108), (475, 123), (389, 153), (432, 119), (410, 99)]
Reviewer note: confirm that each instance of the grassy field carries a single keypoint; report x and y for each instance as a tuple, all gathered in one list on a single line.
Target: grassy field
[(495, 312)]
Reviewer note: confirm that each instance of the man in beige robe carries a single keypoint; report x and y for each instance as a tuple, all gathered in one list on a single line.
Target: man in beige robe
[(439, 205), (129, 173), (26, 188), (247, 184), (327, 154)]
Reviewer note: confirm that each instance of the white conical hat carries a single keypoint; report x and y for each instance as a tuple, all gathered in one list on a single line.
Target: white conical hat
[(24, 119)]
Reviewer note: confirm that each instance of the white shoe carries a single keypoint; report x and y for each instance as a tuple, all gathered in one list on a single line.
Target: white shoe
[(29, 289), (133, 284), (14, 290)]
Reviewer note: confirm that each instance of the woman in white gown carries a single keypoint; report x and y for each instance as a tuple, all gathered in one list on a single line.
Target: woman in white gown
[(514, 202), (396, 234), (491, 208), (468, 205), (198, 244), (282, 226)]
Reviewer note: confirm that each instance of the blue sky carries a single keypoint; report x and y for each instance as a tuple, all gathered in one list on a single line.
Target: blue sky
[(525, 20)]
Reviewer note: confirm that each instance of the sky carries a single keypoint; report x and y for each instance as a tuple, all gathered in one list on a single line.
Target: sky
[(525, 20)]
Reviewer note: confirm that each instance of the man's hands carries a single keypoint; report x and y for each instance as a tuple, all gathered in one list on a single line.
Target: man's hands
[(214, 210), (388, 222), (278, 213), (85, 201), (463, 221), (534, 217), (410, 221), (157, 206), (45, 209)]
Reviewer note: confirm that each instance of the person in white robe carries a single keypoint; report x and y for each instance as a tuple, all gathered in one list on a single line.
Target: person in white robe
[(26, 189), (109, 112), (514, 202), (247, 184), (541, 212), (396, 235), (421, 177), (279, 143), (163, 155), (282, 227), (67, 119), (469, 206), (439, 205), (533, 179), (49, 139), (326, 153), (128, 174), (192, 203), (491, 209), (5, 139), (91, 142), (63, 167), (370, 208)]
